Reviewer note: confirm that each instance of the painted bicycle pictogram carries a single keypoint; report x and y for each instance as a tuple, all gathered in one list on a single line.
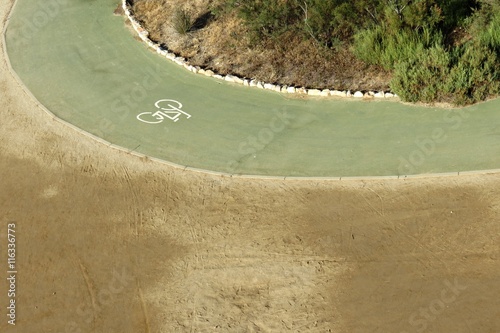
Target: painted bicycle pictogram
[(168, 109)]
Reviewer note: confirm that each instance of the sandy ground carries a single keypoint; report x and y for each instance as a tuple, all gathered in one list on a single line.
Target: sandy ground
[(107, 242)]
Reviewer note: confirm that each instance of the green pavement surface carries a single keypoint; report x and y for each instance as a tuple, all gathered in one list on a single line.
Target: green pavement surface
[(86, 66)]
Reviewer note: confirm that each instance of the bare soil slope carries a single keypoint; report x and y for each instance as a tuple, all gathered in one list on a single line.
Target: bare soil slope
[(107, 242), (223, 45)]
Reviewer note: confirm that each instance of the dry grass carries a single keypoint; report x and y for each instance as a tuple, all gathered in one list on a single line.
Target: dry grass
[(223, 46)]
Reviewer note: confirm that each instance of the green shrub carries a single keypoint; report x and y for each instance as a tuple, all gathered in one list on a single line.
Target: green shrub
[(370, 44), (329, 21), (484, 24), (475, 76), (182, 21), (462, 77), (490, 36), (325, 21), (422, 76), (378, 46), (269, 18), (455, 12)]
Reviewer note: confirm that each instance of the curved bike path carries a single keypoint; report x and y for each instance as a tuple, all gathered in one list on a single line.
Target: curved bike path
[(87, 68)]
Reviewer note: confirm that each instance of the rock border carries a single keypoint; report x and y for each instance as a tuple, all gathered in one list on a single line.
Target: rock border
[(284, 89)]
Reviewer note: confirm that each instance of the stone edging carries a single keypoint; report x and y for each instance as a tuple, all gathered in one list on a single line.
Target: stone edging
[(143, 34)]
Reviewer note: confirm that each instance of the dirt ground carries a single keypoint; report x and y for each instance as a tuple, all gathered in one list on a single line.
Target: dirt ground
[(107, 242)]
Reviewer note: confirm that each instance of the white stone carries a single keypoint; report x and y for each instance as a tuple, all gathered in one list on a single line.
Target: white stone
[(229, 78), (238, 80), (208, 72), (389, 95), (179, 61), (253, 83), (219, 77), (246, 83), (170, 56), (358, 94), (277, 88), (301, 90), (325, 92), (379, 94), (269, 86), (260, 85), (348, 93), (291, 90), (314, 92), (201, 71)]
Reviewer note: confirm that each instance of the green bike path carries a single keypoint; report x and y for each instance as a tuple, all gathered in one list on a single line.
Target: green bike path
[(85, 66)]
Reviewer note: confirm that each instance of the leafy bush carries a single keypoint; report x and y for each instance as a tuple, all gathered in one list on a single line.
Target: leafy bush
[(370, 44), (466, 76), (475, 76), (421, 76), (490, 36), (329, 21), (269, 18), (411, 43), (484, 24), (326, 21), (455, 12), (377, 46)]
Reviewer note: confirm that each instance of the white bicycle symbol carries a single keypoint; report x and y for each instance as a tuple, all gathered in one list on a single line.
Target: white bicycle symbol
[(172, 111)]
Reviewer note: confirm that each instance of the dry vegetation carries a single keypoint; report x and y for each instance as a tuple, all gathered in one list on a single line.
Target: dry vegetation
[(431, 51), (223, 45)]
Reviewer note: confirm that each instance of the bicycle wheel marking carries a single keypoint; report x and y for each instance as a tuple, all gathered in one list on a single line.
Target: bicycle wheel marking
[(168, 109)]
